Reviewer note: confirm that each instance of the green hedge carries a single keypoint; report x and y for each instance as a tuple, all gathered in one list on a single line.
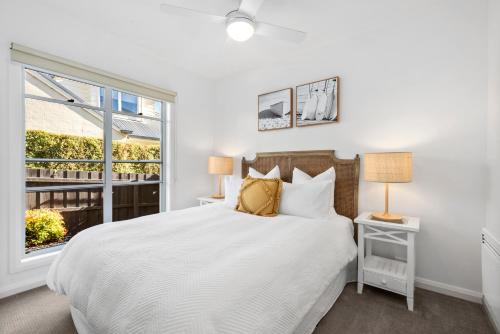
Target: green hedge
[(42, 144)]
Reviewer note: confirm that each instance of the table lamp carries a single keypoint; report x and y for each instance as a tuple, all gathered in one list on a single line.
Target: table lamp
[(220, 166), (388, 167)]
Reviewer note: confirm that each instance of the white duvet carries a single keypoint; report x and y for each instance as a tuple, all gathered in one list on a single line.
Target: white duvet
[(208, 269)]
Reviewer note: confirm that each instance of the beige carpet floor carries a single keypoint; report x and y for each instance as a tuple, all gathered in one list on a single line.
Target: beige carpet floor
[(40, 311)]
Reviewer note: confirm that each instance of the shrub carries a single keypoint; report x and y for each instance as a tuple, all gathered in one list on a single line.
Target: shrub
[(44, 226), (42, 144)]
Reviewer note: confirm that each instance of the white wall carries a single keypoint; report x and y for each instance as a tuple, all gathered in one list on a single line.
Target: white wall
[(490, 262), (413, 77), (38, 26), (493, 143)]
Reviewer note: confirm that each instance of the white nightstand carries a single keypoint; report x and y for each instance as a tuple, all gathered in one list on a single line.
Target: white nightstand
[(209, 200), (393, 275)]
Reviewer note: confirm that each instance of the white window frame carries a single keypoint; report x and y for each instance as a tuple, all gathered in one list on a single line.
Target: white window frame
[(18, 259)]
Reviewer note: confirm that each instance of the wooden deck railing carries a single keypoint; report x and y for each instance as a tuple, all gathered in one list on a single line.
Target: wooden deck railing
[(82, 208)]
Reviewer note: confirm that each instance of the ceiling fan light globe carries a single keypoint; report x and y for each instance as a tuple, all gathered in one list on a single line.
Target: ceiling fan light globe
[(240, 29)]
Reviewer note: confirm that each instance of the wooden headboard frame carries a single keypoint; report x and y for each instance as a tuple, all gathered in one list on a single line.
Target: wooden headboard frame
[(314, 163)]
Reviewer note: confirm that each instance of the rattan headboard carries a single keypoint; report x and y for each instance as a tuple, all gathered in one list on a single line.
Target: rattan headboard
[(314, 163)]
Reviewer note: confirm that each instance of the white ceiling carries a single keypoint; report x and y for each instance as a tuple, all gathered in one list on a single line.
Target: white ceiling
[(203, 47)]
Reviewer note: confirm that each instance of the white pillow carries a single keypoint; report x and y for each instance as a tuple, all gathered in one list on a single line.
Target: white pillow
[(299, 177), (321, 109), (309, 111), (232, 185), (273, 173), (310, 199)]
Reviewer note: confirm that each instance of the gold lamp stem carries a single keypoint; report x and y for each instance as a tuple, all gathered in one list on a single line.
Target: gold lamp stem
[(386, 211), (386, 216), (219, 188)]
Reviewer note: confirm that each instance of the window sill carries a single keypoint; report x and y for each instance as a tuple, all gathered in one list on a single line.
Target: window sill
[(34, 260)]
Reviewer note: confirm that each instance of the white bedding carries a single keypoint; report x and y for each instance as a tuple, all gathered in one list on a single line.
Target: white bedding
[(208, 269)]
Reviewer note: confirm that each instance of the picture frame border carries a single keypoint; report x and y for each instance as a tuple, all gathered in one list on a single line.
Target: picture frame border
[(337, 78), (292, 113)]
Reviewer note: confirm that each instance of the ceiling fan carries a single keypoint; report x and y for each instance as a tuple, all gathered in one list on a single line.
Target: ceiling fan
[(241, 23)]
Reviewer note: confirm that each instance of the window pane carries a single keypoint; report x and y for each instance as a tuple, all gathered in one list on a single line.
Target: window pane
[(125, 102), (53, 218), (135, 172), (136, 138), (129, 103), (134, 104), (59, 131), (151, 108), (45, 174), (135, 201), (64, 89)]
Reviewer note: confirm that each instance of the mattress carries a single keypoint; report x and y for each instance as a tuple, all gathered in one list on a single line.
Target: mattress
[(208, 269)]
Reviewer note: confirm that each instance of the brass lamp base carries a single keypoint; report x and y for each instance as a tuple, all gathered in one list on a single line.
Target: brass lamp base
[(387, 217), (219, 194)]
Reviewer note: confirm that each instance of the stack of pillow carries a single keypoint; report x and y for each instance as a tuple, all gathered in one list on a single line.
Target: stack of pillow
[(267, 195)]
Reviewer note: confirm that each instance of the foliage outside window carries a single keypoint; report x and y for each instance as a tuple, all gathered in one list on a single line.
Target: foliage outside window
[(42, 144)]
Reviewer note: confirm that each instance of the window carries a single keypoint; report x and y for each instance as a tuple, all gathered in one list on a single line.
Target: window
[(93, 154)]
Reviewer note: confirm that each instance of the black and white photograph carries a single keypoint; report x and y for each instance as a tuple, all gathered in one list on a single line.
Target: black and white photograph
[(275, 110), (317, 102)]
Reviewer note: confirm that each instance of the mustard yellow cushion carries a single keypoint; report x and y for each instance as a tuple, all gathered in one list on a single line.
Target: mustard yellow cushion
[(260, 196)]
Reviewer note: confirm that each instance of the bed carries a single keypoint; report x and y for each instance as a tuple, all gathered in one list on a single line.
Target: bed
[(212, 269)]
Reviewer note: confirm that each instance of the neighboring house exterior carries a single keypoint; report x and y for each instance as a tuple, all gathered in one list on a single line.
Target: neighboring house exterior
[(63, 119)]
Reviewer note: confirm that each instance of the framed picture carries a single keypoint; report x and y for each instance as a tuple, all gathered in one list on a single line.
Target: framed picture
[(275, 110), (317, 102)]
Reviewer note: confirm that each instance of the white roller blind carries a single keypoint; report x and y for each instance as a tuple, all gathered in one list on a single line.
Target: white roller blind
[(47, 61)]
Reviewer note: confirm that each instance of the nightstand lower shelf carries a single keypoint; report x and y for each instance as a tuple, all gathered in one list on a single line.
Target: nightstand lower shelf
[(385, 273)]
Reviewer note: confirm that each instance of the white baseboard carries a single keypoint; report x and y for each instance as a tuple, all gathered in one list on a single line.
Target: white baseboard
[(494, 321), (19, 287), (449, 290)]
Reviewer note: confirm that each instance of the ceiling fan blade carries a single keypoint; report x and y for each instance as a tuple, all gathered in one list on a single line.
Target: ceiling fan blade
[(281, 33), (181, 11), (250, 7)]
